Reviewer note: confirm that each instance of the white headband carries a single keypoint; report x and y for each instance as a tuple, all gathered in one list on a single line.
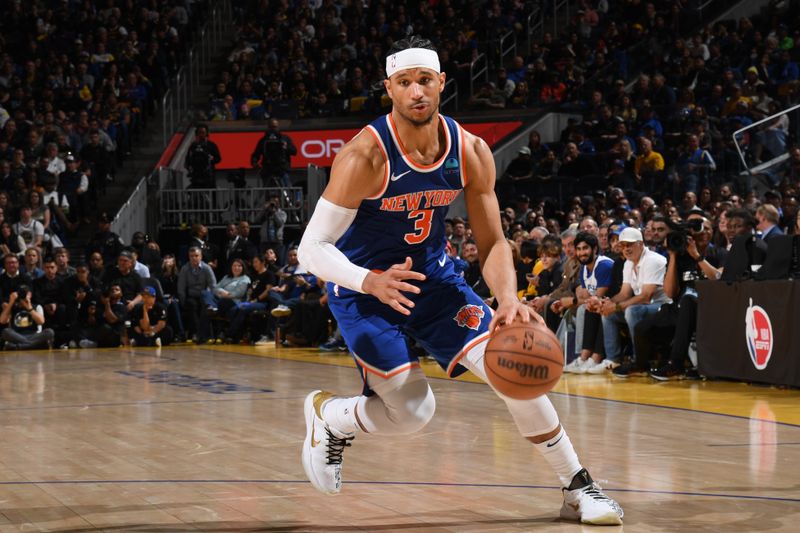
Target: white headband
[(412, 58)]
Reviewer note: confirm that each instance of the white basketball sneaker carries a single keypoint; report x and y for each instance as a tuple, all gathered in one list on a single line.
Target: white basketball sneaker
[(603, 367), (588, 504), (323, 447), (576, 366), (589, 365)]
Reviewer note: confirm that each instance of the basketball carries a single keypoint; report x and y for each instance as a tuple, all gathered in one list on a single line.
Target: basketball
[(523, 361)]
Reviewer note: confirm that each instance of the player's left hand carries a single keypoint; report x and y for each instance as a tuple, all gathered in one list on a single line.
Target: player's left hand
[(509, 310)]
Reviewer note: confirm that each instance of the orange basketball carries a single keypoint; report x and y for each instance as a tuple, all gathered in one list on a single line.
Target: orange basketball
[(523, 361)]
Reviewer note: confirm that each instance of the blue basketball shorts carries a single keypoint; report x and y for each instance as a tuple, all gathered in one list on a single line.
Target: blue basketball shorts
[(447, 320)]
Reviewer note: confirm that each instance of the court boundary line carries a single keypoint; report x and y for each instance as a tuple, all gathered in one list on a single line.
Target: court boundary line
[(148, 402), (393, 483)]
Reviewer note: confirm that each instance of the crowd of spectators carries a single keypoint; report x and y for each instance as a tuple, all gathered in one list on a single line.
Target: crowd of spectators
[(619, 266), (670, 131), (77, 82), (238, 289), (653, 157), (588, 216), (325, 58)]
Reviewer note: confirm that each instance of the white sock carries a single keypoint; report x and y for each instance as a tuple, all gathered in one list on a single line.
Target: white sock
[(340, 414), (561, 456)]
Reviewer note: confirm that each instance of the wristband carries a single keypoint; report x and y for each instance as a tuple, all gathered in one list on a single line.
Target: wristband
[(618, 308)]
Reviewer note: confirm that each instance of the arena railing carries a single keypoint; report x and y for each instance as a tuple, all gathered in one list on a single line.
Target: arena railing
[(131, 217), (557, 6), (507, 46), (478, 69), (450, 94), (775, 140), (214, 208), (534, 24), (176, 102)]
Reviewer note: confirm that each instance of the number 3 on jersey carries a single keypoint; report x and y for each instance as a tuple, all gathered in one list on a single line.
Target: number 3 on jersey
[(422, 226)]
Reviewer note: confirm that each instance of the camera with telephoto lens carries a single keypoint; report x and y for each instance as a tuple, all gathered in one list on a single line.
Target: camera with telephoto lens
[(678, 238), (22, 292)]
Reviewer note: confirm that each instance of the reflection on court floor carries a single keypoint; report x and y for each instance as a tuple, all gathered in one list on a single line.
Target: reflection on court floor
[(208, 439)]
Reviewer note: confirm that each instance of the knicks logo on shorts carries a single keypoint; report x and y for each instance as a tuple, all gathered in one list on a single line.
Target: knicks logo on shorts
[(469, 316)]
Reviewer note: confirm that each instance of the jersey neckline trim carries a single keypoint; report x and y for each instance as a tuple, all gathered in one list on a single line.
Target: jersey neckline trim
[(410, 162)]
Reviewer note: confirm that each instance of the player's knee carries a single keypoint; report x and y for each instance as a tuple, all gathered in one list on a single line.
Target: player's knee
[(412, 407)]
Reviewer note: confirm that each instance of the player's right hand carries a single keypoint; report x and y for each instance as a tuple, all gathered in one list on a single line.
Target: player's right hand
[(388, 286)]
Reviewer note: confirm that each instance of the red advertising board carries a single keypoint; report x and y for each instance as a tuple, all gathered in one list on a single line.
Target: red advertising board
[(319, 147)]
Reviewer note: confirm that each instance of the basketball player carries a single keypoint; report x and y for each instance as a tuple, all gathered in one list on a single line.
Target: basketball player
[(377, 236)]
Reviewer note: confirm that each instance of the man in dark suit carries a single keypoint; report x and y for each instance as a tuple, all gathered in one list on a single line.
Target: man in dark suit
[(768, 218), (236, 247), (199, 238)]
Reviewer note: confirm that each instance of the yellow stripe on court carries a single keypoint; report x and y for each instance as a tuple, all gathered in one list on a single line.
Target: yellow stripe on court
[(720, 397)]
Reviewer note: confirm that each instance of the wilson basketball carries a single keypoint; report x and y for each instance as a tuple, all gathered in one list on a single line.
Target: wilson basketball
[(523, 361)]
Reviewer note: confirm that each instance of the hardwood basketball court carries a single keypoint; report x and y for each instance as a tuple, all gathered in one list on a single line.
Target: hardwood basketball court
[(208, 439)]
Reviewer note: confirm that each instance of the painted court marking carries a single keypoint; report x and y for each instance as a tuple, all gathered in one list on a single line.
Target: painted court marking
[(210, 385), (392, 483)]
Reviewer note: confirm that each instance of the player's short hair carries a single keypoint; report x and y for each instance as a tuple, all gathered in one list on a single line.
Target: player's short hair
[(415, 41)]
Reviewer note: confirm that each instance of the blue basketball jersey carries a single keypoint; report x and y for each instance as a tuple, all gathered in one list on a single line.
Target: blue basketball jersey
[(407, 217)]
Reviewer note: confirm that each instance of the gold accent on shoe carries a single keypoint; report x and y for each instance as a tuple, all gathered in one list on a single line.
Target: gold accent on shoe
[(319, 399)]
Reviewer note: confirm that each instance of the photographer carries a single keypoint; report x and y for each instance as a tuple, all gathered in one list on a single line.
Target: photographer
[(272, 221), (272, 154), (201, 158), (692, 257), (24, 321)]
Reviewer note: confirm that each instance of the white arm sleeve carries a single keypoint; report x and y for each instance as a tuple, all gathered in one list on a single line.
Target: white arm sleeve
[(318, 253)]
